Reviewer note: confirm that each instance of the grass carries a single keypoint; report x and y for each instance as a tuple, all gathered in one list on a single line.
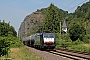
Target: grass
[(22, 54), (80, 47), (67, 43), (76, 45), (86, 45), (19, 52)]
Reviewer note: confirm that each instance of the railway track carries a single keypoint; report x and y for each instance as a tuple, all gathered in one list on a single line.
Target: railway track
[(67, 54), (70, 54)]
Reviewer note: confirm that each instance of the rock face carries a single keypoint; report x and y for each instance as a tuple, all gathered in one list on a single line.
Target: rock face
[(34, 21), (30, 21)]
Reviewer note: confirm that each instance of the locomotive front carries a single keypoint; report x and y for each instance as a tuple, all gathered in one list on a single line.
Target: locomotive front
[(49, 40)]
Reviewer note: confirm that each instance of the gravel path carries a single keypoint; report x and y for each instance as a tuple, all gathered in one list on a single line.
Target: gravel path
[(46, 55)]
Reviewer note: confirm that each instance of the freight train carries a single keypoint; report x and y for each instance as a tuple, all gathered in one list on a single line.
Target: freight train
[(41, 40)]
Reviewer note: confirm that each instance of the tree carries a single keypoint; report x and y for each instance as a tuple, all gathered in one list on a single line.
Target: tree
[(51, 21), (6, 29), (5, 41), (77, 31), (3, 29), (12, 31)]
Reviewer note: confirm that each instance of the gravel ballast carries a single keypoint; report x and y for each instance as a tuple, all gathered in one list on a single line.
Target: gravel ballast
[(46, 55)]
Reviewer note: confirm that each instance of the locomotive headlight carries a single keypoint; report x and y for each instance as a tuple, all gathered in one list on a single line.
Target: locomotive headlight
[(48, 40)]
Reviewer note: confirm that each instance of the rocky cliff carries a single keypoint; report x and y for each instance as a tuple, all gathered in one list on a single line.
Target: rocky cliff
[(33, 20)]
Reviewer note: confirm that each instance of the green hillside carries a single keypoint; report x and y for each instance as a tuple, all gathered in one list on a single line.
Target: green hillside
[(78, 23), (37, 18), (81, 16)]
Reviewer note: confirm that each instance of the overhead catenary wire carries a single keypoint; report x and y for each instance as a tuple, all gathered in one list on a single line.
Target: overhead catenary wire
[(76, 5), (70, 3)]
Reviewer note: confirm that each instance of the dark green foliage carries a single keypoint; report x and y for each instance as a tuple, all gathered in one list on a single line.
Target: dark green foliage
[(43, 10), (15, 42), (81, 16), (62, 40), (7, 42), (6, 29), (79, 48), (76, 31), (3, 29), (7, 34), (88, 30), (12, 31), (4, 46), (65, 37), (51, 22), (53, 17), (77, 42)]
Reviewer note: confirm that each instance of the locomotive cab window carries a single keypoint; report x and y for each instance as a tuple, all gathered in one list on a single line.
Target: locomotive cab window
[(48, 36)]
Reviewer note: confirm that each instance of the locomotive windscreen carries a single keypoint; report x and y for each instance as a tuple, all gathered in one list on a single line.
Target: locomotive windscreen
[(48, 35)]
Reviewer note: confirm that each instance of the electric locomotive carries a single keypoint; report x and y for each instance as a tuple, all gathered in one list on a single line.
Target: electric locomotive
[(45, 40), (42, 40)]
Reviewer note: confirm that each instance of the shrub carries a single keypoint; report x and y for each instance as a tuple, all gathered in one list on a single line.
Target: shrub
[(77, 31), (77, 42), (79, 47), (4, 46), (63, 40), (66, 37), (15, 42)]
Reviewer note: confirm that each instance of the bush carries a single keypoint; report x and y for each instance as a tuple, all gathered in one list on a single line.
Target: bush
[(4, 46), (77, 42), (63, 40), (66, 37), (8, 42), (85, 39), (15, 42), (77, 31), (79, 48)]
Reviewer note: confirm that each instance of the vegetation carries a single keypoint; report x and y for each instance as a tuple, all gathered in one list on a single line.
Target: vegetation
[(4, 46), (21, 54), (77, 31), (66, 43), (6, 29), (51, 22), (7, 32), (11, 46), (80, 16), (52, 16), (78, 26)]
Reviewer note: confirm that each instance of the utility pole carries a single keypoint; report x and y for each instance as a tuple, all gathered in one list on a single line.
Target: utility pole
[(60, 30)]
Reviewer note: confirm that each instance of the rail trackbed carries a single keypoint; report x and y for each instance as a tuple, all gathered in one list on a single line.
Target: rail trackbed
[(70, 54)]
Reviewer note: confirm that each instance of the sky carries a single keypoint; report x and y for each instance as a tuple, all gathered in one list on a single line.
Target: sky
[(16, 10)]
